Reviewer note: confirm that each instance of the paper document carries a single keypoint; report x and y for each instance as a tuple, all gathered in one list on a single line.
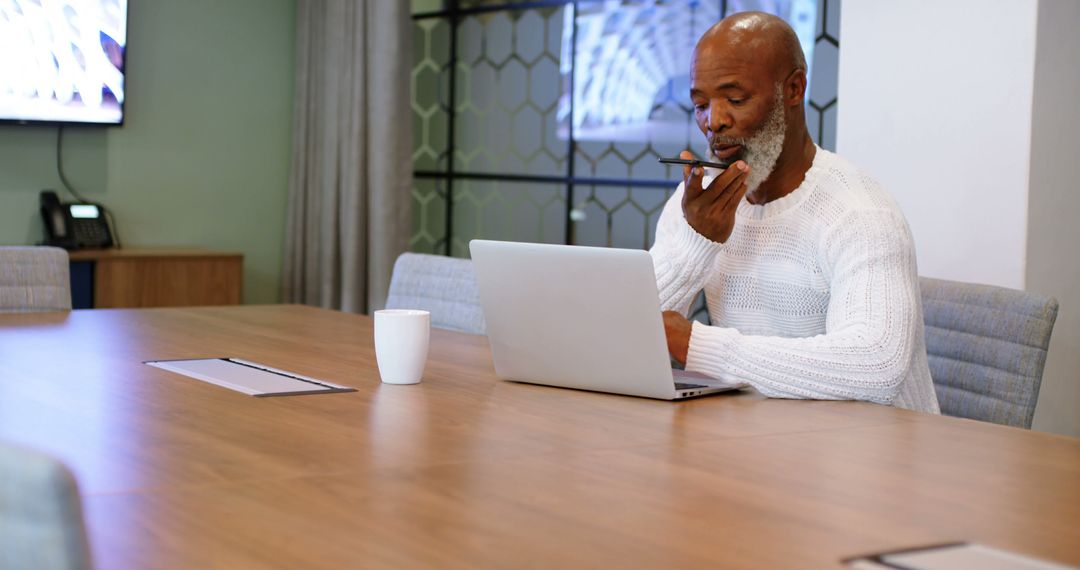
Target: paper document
[(249, 377)]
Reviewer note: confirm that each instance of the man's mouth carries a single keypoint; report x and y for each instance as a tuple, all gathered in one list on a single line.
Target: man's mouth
[(726, 151)]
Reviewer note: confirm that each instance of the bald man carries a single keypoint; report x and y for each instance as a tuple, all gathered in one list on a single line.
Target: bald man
[(807, 264)]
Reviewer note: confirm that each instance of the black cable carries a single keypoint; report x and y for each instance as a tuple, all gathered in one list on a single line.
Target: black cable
[(67, 185), (60, 166), (112, 227)]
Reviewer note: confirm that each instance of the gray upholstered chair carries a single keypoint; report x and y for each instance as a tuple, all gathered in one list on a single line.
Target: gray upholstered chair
[(445, 286), (987, 348), (34, 279), (41, 524)]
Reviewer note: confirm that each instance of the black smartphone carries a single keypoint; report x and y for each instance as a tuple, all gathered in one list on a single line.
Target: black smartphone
[(695, 162)]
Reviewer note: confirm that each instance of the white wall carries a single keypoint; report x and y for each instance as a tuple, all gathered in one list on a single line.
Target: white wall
[(966, 110), (936, 103), (1053, 262)]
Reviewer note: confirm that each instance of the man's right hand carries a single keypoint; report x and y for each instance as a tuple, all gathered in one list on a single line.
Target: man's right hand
[(711, 210)]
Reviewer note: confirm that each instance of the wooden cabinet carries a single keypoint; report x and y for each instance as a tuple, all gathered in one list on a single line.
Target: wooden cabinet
[(142, 277)]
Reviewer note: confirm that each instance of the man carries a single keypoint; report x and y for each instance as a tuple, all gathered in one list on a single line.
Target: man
[(808, 266)]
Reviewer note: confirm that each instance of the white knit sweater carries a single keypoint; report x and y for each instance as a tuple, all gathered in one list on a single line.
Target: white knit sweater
[(814, 295)]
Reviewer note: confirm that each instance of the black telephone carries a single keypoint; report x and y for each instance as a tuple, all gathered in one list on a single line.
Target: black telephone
[(74, 225)]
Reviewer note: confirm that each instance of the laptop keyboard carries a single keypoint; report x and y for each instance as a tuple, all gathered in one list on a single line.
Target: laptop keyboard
[(688, 386)]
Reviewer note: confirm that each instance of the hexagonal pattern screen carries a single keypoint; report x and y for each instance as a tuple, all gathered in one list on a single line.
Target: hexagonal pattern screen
[(543, 120)]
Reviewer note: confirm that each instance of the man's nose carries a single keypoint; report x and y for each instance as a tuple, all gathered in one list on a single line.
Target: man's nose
[(719, 118)]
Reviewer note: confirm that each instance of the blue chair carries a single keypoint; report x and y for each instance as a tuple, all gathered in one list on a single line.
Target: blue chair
[(41, 524), (987, 348), (444, 286), (34, 279)]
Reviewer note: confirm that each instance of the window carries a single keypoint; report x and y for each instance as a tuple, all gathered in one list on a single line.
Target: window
[(497, 86)]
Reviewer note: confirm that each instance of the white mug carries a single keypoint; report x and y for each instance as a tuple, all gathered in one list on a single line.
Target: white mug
[(401, 344)]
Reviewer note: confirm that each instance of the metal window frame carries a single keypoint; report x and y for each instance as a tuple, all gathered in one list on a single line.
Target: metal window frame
[(453, 13)]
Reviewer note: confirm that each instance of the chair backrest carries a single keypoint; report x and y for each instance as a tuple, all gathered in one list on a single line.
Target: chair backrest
[(41, 523), (444, 286), (987, 348), (34, 279)]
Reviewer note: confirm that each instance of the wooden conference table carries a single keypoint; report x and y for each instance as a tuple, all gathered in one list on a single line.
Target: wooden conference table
[(466, 471)]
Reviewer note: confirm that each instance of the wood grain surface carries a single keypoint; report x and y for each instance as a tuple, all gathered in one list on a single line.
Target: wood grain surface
[(466, 471), (164, 277)]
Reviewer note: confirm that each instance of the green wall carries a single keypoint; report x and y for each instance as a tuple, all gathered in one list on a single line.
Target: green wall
[(203, 157)]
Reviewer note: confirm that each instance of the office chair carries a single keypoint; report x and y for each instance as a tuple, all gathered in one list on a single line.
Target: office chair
[(41, 524), (987, 348), (444, 286), (34, 279)]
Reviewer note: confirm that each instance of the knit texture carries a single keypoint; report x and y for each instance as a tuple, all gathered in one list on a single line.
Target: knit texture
[(986, 347), (34, 279), (814, 295), (444, 286)]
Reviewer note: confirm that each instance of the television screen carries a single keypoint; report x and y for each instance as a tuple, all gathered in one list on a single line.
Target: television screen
[(62, 61)]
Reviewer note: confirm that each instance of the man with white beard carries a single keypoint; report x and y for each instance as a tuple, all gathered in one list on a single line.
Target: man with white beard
[(807, 264)]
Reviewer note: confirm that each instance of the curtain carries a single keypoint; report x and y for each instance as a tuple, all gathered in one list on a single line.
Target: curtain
[(349, 208)]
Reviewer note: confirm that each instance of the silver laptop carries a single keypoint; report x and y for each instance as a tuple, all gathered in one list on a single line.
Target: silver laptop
[(579, 317)]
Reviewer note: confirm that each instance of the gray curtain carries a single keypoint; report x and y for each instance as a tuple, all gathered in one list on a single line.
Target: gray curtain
[(349, 205)]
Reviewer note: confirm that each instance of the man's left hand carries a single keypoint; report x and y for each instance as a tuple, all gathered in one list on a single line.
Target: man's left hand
[(677, 328)]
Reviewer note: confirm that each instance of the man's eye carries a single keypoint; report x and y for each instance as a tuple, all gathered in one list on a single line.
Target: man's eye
[(700, 108), (736, 101)]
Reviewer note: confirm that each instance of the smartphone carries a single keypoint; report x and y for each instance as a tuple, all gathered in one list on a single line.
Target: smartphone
[(695, 162)]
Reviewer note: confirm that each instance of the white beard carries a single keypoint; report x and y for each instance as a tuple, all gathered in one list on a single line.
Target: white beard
[(762, 150)]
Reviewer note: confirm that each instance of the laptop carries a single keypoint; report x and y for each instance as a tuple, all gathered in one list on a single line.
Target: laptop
[(580, 317)]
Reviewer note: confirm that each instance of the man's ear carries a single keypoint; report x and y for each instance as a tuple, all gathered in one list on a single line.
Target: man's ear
[(795, 88)]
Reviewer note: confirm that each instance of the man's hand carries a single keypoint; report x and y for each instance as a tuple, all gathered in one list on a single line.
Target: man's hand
[(711, 211), (677, 328)]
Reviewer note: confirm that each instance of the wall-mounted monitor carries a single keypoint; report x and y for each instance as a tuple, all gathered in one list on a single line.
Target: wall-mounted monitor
[(62, 61)]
